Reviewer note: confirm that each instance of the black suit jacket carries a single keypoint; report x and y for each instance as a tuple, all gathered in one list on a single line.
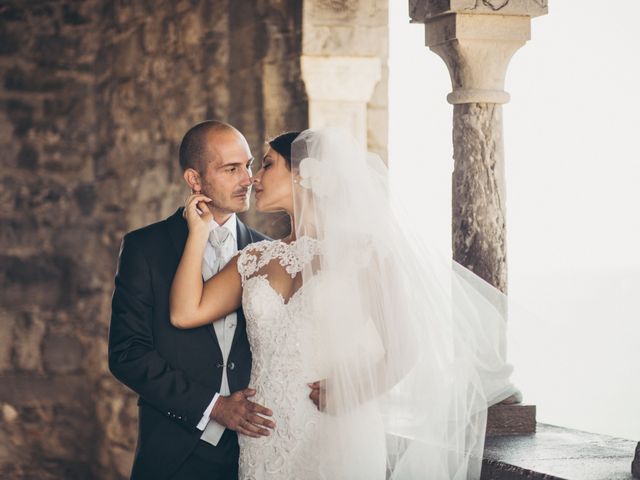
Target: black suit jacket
[(175, 372)]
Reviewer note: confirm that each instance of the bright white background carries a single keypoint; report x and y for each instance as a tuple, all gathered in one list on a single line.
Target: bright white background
[(573, 200)]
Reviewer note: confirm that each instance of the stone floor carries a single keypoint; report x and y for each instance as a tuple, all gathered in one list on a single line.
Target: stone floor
[(558, 453)]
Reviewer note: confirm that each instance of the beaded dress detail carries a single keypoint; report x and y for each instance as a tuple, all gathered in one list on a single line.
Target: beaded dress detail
[(280, 336)]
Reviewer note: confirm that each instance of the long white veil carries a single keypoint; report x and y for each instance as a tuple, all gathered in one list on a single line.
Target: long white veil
[(412, 347)]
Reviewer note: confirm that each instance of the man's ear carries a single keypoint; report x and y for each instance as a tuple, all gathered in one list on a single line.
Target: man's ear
[(193, 180)]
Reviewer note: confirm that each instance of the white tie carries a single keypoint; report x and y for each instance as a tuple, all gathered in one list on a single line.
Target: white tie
[(219, 238)]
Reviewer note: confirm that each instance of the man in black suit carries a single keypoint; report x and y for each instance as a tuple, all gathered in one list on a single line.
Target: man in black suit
[(188, 417)]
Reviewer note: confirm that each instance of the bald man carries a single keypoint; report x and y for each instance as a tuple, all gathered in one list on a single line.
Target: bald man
[(192, 384)]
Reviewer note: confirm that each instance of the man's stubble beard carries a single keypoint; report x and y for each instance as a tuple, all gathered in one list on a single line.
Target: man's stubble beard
[(224, 206), (245, 207)]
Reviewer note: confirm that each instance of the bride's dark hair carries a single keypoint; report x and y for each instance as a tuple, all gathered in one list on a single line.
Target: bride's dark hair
[(282, 145)]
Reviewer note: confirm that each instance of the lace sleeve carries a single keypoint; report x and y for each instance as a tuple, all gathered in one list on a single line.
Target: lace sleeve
[(249, 259)]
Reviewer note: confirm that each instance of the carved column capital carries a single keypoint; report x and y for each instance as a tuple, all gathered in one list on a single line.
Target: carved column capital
[(350, 79), (421, 11), (339, 88), (476, 39)]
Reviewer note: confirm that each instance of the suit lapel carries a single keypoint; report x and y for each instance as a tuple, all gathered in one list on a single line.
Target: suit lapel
[(244, 238), (178, 231), (244, 235)]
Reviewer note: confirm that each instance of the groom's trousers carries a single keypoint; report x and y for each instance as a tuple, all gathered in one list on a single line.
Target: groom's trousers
[(203, 464)]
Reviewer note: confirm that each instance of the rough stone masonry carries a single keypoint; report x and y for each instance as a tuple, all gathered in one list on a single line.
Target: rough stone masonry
[(95, 96)]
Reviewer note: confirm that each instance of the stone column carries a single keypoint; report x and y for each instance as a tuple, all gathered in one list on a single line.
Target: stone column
[(344, 67), (476, 39), (339, 89)]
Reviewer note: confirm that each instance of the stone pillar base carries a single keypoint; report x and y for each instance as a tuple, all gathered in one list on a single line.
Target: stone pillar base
[(516, 419)]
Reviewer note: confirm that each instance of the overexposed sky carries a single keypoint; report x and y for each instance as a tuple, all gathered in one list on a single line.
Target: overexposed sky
[(573, 194)]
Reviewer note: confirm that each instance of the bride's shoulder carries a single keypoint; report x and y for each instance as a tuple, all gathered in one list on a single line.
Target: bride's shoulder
[(258, 246), (254, 249), (262, 252), (251, 257)]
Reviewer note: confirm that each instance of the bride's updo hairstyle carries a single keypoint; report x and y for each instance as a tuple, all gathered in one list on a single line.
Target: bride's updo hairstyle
[(282, 145)]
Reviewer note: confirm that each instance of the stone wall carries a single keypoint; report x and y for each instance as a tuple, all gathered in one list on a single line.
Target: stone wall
[(95, 96), (267, 95)]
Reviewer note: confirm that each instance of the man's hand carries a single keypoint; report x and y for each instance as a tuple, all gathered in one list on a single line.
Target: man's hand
[(317, 394), (238, 413)]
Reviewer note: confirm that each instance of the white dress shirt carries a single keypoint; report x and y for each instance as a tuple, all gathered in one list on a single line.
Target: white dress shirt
[(225, 328)]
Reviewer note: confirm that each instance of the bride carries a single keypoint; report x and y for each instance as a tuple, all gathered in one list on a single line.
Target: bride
[(409, 348)]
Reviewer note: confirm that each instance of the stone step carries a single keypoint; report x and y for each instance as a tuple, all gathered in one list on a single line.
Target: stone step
[(559, 453)]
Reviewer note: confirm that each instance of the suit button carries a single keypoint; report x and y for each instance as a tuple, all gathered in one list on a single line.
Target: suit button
[(232, 365)]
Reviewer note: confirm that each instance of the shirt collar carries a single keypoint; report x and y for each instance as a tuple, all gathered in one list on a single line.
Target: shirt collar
[(231, 225)]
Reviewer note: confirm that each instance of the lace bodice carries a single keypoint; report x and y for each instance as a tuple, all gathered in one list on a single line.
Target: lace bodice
[(287, 355), (293, 257), (280, 336)]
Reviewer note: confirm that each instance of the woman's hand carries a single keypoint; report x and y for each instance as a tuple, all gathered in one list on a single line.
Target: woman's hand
[(198, 215)]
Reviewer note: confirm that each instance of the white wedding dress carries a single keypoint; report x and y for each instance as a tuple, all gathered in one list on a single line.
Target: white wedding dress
[(410, 348), (283, 342)]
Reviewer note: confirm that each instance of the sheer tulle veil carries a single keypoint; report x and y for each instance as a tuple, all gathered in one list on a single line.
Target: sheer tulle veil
[(411, 345)]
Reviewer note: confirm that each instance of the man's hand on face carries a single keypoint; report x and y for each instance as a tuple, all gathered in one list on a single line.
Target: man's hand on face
[(317, 394), (238, 413)]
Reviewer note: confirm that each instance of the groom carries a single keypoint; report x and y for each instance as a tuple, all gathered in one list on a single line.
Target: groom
[(192, 384)]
